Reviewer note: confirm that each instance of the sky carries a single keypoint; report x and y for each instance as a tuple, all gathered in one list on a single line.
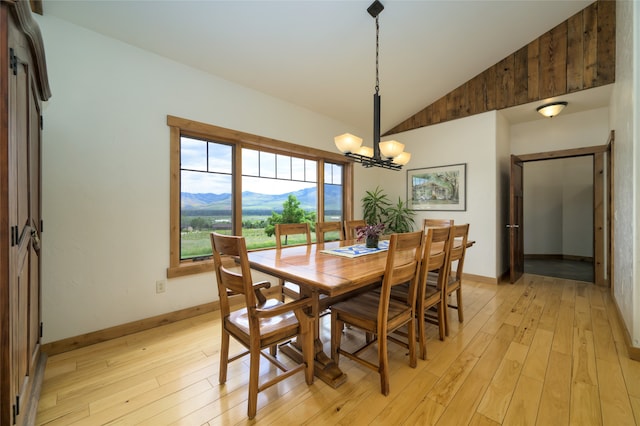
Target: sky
[(273, 174)]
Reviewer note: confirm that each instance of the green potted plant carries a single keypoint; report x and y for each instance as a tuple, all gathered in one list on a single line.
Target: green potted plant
[(399, 218), (374, 205), (377, 209)]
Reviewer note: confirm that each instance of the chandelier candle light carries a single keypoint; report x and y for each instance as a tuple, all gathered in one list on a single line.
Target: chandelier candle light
[(388, 154)]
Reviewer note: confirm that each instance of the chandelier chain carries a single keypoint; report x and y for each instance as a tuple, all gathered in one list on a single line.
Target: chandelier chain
[(377, 48)]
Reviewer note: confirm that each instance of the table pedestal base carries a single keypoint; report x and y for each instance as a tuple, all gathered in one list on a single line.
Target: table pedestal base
[(324, 369)]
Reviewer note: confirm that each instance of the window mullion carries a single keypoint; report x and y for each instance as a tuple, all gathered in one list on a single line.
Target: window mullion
[(237, 189)]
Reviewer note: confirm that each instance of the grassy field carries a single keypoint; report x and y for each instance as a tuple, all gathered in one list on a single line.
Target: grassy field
[(197, 243)]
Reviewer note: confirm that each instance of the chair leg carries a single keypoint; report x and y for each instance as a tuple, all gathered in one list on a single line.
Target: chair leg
[(336, 336), (459, 302), (224, 357), (446, 317), (254, 373), (442, 320), (368, 337), (411, 325), (383, 363), (422, 333)]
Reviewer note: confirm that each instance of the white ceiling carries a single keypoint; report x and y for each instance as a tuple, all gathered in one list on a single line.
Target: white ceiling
[(320, 54)]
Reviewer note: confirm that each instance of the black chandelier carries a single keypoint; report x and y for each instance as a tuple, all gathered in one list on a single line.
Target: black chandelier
[(387, 154)]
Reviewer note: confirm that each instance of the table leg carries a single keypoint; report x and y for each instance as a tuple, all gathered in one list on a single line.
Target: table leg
[(325, 368)]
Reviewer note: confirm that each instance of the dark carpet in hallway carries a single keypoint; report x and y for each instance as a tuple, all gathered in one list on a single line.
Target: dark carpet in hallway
[(559, 268)]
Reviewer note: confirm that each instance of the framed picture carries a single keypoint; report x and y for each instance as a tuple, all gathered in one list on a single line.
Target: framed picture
[(438, 188)]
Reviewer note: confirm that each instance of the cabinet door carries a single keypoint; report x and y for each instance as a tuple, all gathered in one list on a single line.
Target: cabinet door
[(24, 191), (35, 216), (20, 189)]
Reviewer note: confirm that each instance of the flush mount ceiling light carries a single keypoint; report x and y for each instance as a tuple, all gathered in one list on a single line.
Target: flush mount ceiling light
[(552, 109), (388, 154)]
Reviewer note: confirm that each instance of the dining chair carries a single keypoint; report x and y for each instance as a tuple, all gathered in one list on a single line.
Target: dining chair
[(435, 259), (433, 223), (285, 230), (325, 227), (350, 227), (458, 250), (375, 313), (261, 323)]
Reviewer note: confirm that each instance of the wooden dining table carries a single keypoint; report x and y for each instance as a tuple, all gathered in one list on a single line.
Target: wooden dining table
[(321, 274)]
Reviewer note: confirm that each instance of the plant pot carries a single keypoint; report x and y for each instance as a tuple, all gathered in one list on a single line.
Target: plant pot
[(371, 242)]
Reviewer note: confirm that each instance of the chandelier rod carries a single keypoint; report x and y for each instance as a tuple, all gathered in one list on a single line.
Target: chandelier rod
[(376, 98)]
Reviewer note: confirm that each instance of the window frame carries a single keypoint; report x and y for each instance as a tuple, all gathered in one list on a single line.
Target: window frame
[(179, 127)]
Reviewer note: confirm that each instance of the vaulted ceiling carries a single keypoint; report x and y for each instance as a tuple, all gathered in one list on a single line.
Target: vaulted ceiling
[(320, 54), (577, 54)]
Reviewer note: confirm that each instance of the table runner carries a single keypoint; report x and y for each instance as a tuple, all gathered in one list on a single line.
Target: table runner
[(357, 249)]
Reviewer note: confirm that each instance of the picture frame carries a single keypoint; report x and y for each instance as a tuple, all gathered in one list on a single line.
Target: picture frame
[(442, 188)]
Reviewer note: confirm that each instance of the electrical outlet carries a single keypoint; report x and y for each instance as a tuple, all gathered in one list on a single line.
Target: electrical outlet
[(161, 286)]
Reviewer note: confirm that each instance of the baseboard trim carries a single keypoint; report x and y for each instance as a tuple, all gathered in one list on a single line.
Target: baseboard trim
[(99, 336), (83, 340), (480, 278), (633, 351)]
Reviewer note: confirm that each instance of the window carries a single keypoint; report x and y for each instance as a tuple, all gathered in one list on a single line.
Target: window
[(333, 192), (267, 181), (206, 191), (231, 182)]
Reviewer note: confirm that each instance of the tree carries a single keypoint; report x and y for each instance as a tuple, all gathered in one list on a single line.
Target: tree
[(200, 223), (291, 213)]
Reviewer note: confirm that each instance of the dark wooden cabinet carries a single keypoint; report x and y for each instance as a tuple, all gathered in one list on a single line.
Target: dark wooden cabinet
[(23, 88)]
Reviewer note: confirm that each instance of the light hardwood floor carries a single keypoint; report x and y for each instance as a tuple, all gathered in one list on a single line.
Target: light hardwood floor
[(543, 351)]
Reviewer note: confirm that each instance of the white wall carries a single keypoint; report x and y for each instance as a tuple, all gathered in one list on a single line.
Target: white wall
[(542, 207), (558, 207), (470, 140), (577, 202), (625, 109), (106, 174), (566, 131)]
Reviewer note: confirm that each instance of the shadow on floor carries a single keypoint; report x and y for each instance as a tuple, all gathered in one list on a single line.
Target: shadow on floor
[(558, 268)]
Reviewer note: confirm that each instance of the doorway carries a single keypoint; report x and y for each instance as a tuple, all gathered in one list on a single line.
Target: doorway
[(558, 213), (600, 156)]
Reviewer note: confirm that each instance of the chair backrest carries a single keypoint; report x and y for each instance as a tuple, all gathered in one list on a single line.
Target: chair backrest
[(437, 249), (232, 280), (459, 236), (350, 227), (286, 229), (403, 265), (324, 227), (436, 223)]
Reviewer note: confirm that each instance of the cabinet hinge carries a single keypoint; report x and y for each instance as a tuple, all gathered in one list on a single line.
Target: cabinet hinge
[(41, 327), (41, 122), (14, 235), (41, 226), (17, 405), (13, 61), (14, 414)]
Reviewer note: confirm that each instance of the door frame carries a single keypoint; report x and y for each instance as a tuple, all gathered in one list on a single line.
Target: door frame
[(602, 219)]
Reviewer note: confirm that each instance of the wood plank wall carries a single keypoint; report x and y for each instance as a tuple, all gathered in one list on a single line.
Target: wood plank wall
[(578, 54)]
